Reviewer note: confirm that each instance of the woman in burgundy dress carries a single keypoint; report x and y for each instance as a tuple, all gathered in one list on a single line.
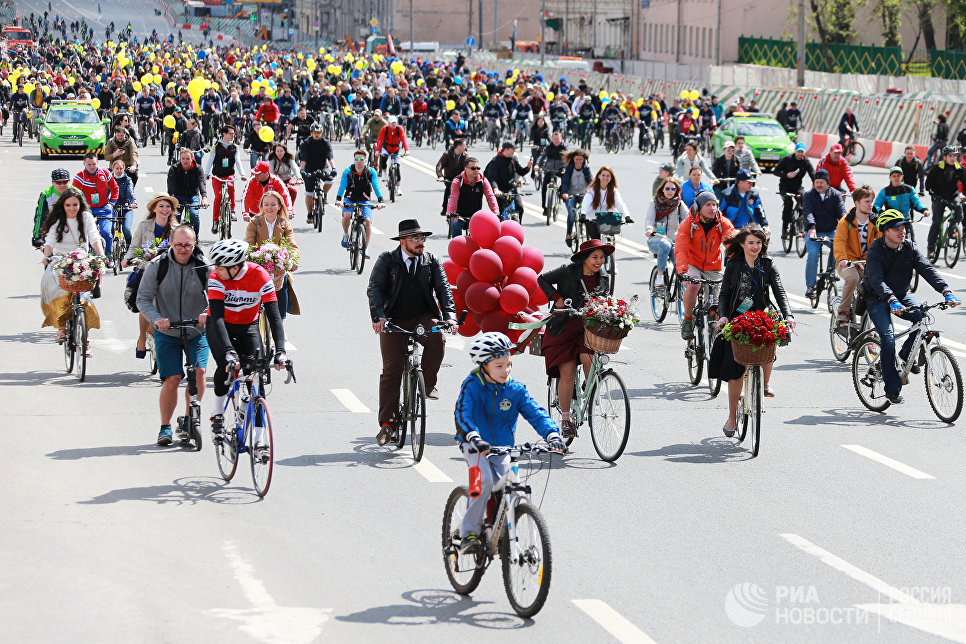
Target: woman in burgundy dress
[(563, 341)]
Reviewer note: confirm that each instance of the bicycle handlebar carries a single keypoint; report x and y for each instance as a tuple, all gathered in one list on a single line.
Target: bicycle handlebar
[(183, 324), (684, 277), (541, 447)]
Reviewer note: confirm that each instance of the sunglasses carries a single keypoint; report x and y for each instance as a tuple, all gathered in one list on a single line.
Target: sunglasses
[(670, 188), (472, 167), (418, 238)]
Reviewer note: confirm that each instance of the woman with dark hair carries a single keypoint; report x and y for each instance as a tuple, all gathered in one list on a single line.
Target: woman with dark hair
[(602, 196), (664, 214), (283, 164), (748, 275), (576, 178), (69, 226), (563, 342)]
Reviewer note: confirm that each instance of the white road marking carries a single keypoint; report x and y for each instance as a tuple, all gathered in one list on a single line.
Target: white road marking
[(612, 621), (888, 462), (430, 472), (375, 231), (148, 189), (943, 619), (455, 343), (266, 621), (108, 339), (350, 401)]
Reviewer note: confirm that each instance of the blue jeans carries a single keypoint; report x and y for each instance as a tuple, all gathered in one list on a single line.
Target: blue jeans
[(126, 225), (663, 247), (934, 148), (571, 214), (255, 157), (881, 317), (811, 262), (104, 228), (194, 201)]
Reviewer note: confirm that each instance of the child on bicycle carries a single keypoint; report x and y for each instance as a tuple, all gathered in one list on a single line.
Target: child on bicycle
[(486, 414)]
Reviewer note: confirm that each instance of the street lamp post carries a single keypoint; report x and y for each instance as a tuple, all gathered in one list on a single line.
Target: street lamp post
[(543, 32), (412, 29)]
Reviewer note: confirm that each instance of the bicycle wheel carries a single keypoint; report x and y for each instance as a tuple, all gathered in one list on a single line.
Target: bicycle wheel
[(526, 574), (788, 239), (831, 294), (318, 214), (858, 154), (953, 246), (417, 416), (553, 405), (265, 335), (611, 262), (262, 464), (403, 415), (658, 303), (463, 570), (80, 343), (117, 255), (867, 372), (695, 361), (70, 351), (549, 211), (944, 384), (226, 450), (194, 424), (839, 335), (361, 250), (915, 282), (353, 241), (714, 384), (800, 246), (224, 221), (609, 414), (752, 420)]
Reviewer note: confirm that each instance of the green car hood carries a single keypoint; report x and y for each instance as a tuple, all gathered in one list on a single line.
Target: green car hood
[(61, 129)]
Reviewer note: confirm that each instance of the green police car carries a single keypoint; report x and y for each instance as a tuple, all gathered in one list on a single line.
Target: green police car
[(71, 128), (764, 136)]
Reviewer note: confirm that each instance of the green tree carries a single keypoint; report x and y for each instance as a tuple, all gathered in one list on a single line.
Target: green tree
[(955, 24), (834, 20), (889, 12)]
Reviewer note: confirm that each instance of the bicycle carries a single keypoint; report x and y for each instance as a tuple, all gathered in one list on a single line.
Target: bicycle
[(320, 199), (950, 233), (665, 292), (520, 127), (513, 527), (580, 223), (943, 379), (509, 211), (795, 232), (749, 407), (843, 334), (357, 237), (226, 211), (698, 351), (392, 175), (118, 241), (189, 427), (184, 214), (853, 151), (252, 425), (19, 116), (552, 179), (827, 279), (75, 335), (609, 226)]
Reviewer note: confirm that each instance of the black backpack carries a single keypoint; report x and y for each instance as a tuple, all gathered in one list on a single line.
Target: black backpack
[(202, 270)]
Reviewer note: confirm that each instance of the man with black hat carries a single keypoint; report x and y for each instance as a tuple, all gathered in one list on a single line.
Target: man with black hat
[(408, 286)]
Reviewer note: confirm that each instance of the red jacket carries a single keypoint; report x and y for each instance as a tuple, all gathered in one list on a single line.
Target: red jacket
[(254, 191), (268, 112), (692, 247), (390, 139), (837, 172), (100, 185)]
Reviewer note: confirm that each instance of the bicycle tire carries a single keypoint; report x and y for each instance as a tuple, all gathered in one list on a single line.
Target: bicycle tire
[(80, 342), (950, 382), (867, 372), (464, 571), (318, 213), (831, 293), (858, 153), (417, 416), (754, 417), (224, 221), (392, 188), (841, 345), (536, 557), (612, 272), (549, 210), (714, 384), (695, 361), (194, 425), (261, 470), (116, 257), (800, 246), (361, 250), (953, 246), (353, 240), (608, 437), (399, 438), (788, 240), (265, 337), (915, 282), (226, 450), (70, 352), (659, 305)]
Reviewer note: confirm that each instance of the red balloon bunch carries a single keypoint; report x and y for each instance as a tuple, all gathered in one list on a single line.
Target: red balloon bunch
[(494, 276)]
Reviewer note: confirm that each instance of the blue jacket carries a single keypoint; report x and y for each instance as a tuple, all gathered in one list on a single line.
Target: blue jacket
[(904, 199), (821, 215), (569, 174), (742, 213), (125, 190), (688, 193), (491, 411)]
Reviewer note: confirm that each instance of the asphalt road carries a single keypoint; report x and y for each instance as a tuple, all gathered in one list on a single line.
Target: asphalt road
[(842, 529)]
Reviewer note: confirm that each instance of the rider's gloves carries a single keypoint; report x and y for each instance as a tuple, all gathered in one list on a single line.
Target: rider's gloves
[(556, 443), (37, 242), (948, 294), (382, 201), (231, 356), (280, 357), (479, 445), (895, 305)]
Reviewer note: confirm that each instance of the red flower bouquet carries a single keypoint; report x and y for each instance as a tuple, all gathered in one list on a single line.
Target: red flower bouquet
[(754, 336)]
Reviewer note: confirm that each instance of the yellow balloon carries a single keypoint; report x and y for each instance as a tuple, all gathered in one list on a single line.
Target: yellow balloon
[(549, 96), (146, 79), (694, 95), (155, 69), (29, 87), (602, 94), (215, 85), (684, 94), (509, 81), (169, 122), (359, 65), (71, 80), (450, 105), (96, 103), (157, 79), (137, 86), (255, 85), (169, 85), (419, 82), (639, 102), (152, 57), (266, 133), (187, 64)]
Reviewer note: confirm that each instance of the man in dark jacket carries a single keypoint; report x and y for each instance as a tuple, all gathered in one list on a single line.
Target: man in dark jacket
[(502, 171), (822, 208), (408, 286), (888, 274), (942, 182), (186, 183), (791, 171), (725, 168), (913, 173), (449, 167)]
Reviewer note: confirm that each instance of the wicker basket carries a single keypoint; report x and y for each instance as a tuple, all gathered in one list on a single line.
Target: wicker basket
[(604, 339), (75, 287), (745, 354)]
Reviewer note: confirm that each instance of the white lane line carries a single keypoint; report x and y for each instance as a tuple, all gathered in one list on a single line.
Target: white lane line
[(612, 621), (375, 231), (349, 400), (148, 189), (888, 462), (430, 472)]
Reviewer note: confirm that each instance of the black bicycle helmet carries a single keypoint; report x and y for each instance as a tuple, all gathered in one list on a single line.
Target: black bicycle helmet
[(60, 174)]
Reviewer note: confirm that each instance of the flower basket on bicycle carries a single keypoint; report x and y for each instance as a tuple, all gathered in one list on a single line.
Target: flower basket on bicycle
[(79, 271), (609, 223), (76, 287), (607, 321), (755, 336)]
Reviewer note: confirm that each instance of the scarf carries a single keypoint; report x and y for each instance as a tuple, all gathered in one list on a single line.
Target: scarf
[(664, 207)]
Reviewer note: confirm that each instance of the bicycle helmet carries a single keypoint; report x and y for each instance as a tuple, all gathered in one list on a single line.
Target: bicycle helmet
[(228, 253), (949, 150), (890, 218), (490, 346), (60, 174)]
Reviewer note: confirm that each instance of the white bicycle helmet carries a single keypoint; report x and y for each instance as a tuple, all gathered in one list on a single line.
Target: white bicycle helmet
[(490, 346), (228, 252)]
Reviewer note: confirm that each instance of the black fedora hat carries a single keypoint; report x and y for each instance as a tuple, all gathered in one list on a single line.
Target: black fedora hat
[(408, 227)]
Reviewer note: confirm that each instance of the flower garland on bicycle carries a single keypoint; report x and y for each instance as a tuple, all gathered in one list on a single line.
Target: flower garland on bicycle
[(489, 403), (357, 184), (237, 290)]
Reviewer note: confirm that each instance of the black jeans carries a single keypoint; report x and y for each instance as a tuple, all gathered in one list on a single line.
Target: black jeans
[(245, 341), (939, 207)]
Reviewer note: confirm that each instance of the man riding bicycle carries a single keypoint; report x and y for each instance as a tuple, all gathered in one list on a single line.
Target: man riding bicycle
[(943, 183), (838, 169), (449, 166), (356, 187), (466, 195), (186, 183), (502, 172), (263, 181), (899, 196), (222, 164), (854, 234), (391, 137), (315, 155), (100, 192), (822, 208), (60, 179)]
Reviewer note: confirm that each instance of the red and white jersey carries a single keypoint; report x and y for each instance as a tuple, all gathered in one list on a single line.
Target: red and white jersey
[(243, 296)]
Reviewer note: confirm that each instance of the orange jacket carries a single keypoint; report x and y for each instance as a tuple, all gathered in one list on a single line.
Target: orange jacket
[(692, 247), (847, 244)]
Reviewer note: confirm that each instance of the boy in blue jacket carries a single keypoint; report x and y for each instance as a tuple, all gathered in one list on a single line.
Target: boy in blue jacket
[(486, 414)]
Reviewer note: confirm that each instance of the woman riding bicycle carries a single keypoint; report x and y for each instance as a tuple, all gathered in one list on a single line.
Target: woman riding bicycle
[(665, 212), (271, 224), (602, 196), (126, 202), (563, 341), (748, 275), (576, 178), (480, 424), (283, 165)]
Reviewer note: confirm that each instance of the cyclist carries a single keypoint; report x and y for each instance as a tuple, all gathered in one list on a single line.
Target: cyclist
[(19, 102), (899, 196), (793, 118), (147, 108), (315, 155), (237, 291), (502, 171), (849, 127), (697, 251), (263, 181), (126, 202), (210, 105), (408, 285), (694, 185), (449, 166), (271, 225), (121, 146), (939, 140), (854, 234), (287, 110), (742, 202), (664, 216), (838, 169), (221, 166), (690, 159), (822, 208), (467, 192), (191, 138), (454, 127), (100, 192), (494, 114), (371, 130), (888, 274), (268, 113), (186, 183), (480, 424), (943, 183), (724, 168), (283, 165), (602, 195), (913, 173), (60, 179), (665, 171), (746, 158), (576, 177), (174, 287), (357, 184), (391, 137), (302, 124), (791, 171)]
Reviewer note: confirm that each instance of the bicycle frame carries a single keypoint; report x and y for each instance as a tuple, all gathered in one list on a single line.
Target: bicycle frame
[(513, 494), (582, 399)]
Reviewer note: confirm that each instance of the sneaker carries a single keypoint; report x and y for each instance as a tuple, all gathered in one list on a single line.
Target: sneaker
[(367, 255), (109, 263), (687, 329), (810, 292), (309, 220), (769, 392), (469, 543), (218, 427), (164, 436), (398, 192), (567, 429), (183, 434), (385, 430), (842, 318), (262, 453), (214, 228), (345, 240), (434, 394), (894, 397)]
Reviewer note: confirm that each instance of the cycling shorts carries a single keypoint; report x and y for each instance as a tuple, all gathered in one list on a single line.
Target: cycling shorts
[(347, 209)]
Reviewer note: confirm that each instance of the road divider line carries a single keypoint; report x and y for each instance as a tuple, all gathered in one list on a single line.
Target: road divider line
[(349, 400), (888, 462), (430, 472), (612, 621)]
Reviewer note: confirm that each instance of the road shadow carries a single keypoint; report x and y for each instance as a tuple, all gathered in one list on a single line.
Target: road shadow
[(46, 336), (428, 607), (814, 366), (120, 379), (24, 297), (674, 391), (117, 450), (365, 452), (327, 271), (864, 418), (181, 491), (709, 450)]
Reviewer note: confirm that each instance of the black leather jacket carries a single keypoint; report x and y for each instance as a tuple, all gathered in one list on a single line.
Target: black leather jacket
[(567, 282), (728, 298), (385, 282)]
